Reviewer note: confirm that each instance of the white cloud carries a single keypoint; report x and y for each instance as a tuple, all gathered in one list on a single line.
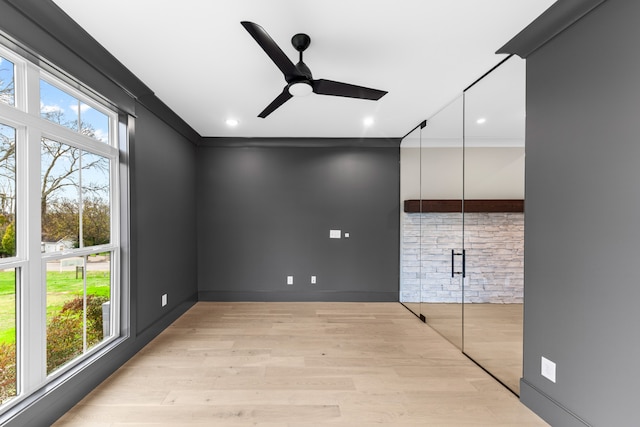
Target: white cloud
[(51, 108), (101, 135), (83, 108)]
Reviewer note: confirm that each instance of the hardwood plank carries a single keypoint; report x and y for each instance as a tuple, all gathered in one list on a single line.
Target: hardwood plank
[(299, 365)]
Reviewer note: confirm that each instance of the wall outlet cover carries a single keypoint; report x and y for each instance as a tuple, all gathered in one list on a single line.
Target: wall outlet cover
[(289, 280), (548, 369), (335, 234), (314, 280), (164, 300)]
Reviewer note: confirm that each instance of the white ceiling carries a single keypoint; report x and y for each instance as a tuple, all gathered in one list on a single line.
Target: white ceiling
[(202, 63)]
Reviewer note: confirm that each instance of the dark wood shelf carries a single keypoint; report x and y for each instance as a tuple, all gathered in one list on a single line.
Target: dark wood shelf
[(492, 205)]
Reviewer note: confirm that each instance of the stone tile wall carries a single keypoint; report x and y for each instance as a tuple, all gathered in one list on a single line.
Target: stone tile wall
[(494, 244)]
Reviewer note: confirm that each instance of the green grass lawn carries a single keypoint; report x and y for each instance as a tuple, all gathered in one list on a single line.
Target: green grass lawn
[(7, 306), (62, 286)]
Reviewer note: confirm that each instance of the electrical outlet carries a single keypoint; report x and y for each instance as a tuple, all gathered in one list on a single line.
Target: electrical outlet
[(164, 299), (289, 280), (313, 280), (548, 369)]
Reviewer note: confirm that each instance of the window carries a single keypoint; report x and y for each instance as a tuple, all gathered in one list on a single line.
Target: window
[(7, 191), (7, 86), (59, 107), (75, 214), (59, 236), (78, 306), (8, 382)]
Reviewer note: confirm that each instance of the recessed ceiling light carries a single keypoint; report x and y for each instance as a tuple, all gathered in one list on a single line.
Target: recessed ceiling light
[(481, 120), (232, 122), (368, 121)]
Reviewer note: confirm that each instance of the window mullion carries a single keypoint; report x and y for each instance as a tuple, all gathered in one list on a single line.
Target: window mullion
[(80, 201), (84, 304), (33, 297), (20, 85), (33, 292), (32, 90)]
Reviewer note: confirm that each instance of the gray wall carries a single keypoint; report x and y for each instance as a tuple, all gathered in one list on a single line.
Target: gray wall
[(162, 176), (582, 237), (265, 213), (163, 218)]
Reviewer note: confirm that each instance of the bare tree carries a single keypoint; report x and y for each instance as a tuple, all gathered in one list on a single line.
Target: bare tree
[(62, 167), (63, 163)]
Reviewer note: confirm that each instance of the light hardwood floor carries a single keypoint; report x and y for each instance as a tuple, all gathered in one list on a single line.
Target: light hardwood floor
[(493, 338), (299, 365), (492, 335)]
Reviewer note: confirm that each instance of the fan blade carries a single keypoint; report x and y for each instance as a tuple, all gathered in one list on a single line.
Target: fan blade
[(329, 87), (267, 44), (281, 99)]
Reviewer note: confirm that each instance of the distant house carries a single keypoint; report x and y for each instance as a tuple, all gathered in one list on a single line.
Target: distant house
[(60, 245)]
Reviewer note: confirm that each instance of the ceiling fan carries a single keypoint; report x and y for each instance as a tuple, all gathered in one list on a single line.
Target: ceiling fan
[(298, 77)]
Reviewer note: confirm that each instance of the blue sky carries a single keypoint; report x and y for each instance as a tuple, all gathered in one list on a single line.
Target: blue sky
[(6, 77), (72, 110)]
